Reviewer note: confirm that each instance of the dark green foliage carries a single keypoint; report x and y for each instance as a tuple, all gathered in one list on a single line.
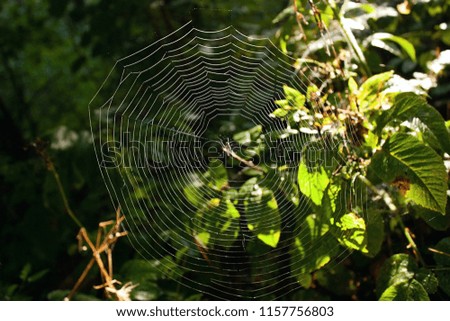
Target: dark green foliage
[(300, 230)]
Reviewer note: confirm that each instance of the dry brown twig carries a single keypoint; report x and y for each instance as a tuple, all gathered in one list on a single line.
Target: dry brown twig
[(104, 243), (229, 151)]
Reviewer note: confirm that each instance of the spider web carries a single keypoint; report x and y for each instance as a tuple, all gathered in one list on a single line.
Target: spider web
[(157, 114)]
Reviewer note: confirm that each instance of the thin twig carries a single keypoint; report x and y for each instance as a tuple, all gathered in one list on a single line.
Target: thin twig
[(350, 38), (104, 242), (227, 149), (42, 152), (300, 18), (438, 252), (80, 280)]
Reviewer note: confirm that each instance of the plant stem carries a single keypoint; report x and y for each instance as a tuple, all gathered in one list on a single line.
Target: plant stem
[(350, 38), (40, 148), (438, 252), (64, 196), (227, 149), (410, 239)]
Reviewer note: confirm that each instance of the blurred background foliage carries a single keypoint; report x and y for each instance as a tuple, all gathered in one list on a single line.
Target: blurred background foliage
[(54, 54)]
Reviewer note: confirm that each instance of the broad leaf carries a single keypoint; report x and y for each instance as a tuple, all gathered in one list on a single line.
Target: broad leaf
[(247, 136), (263, 217), (427, 279), (443, 276), (399, 268), (313, 248), (375, 232), (419, 171), (370, 90), (434, 219), (407, 106), (216, 223), (401, 279), (313, 182), (294, 97), (350, 231), (405, 291), (407, 46), (279, 113), (218, 174)]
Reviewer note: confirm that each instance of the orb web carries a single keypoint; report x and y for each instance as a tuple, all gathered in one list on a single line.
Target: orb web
[(164, 123)]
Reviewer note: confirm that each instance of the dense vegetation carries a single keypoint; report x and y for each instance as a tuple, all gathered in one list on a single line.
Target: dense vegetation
[(361, 215)]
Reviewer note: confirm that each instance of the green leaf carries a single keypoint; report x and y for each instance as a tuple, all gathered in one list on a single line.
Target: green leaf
[(337, 279), (443, 276), (263, 217), (352, 85), (407, 46), (37, 276), (399, 268), (218, 174), (401, 279), (405, 291), (294, 97), (427, 279), (60, 295), (217, 223), (407, 106), (305, 280), (370, 90), (375, 232), (421, 170), (25, 272), (434, 219), (248, 136), (195, 191), (312, 182), (141, 271), (279, 113), (313, 248), (350, 231)]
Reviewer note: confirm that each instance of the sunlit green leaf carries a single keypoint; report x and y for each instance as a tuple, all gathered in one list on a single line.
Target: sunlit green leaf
[(279, 113), (399, 268), (313, 248), (216, 223), (407, 106), (294, 97), (248, 136), (410, 290), (420, 169), (218, 173), (407, 46), (370, 90), (350, 231), (313, 182)]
